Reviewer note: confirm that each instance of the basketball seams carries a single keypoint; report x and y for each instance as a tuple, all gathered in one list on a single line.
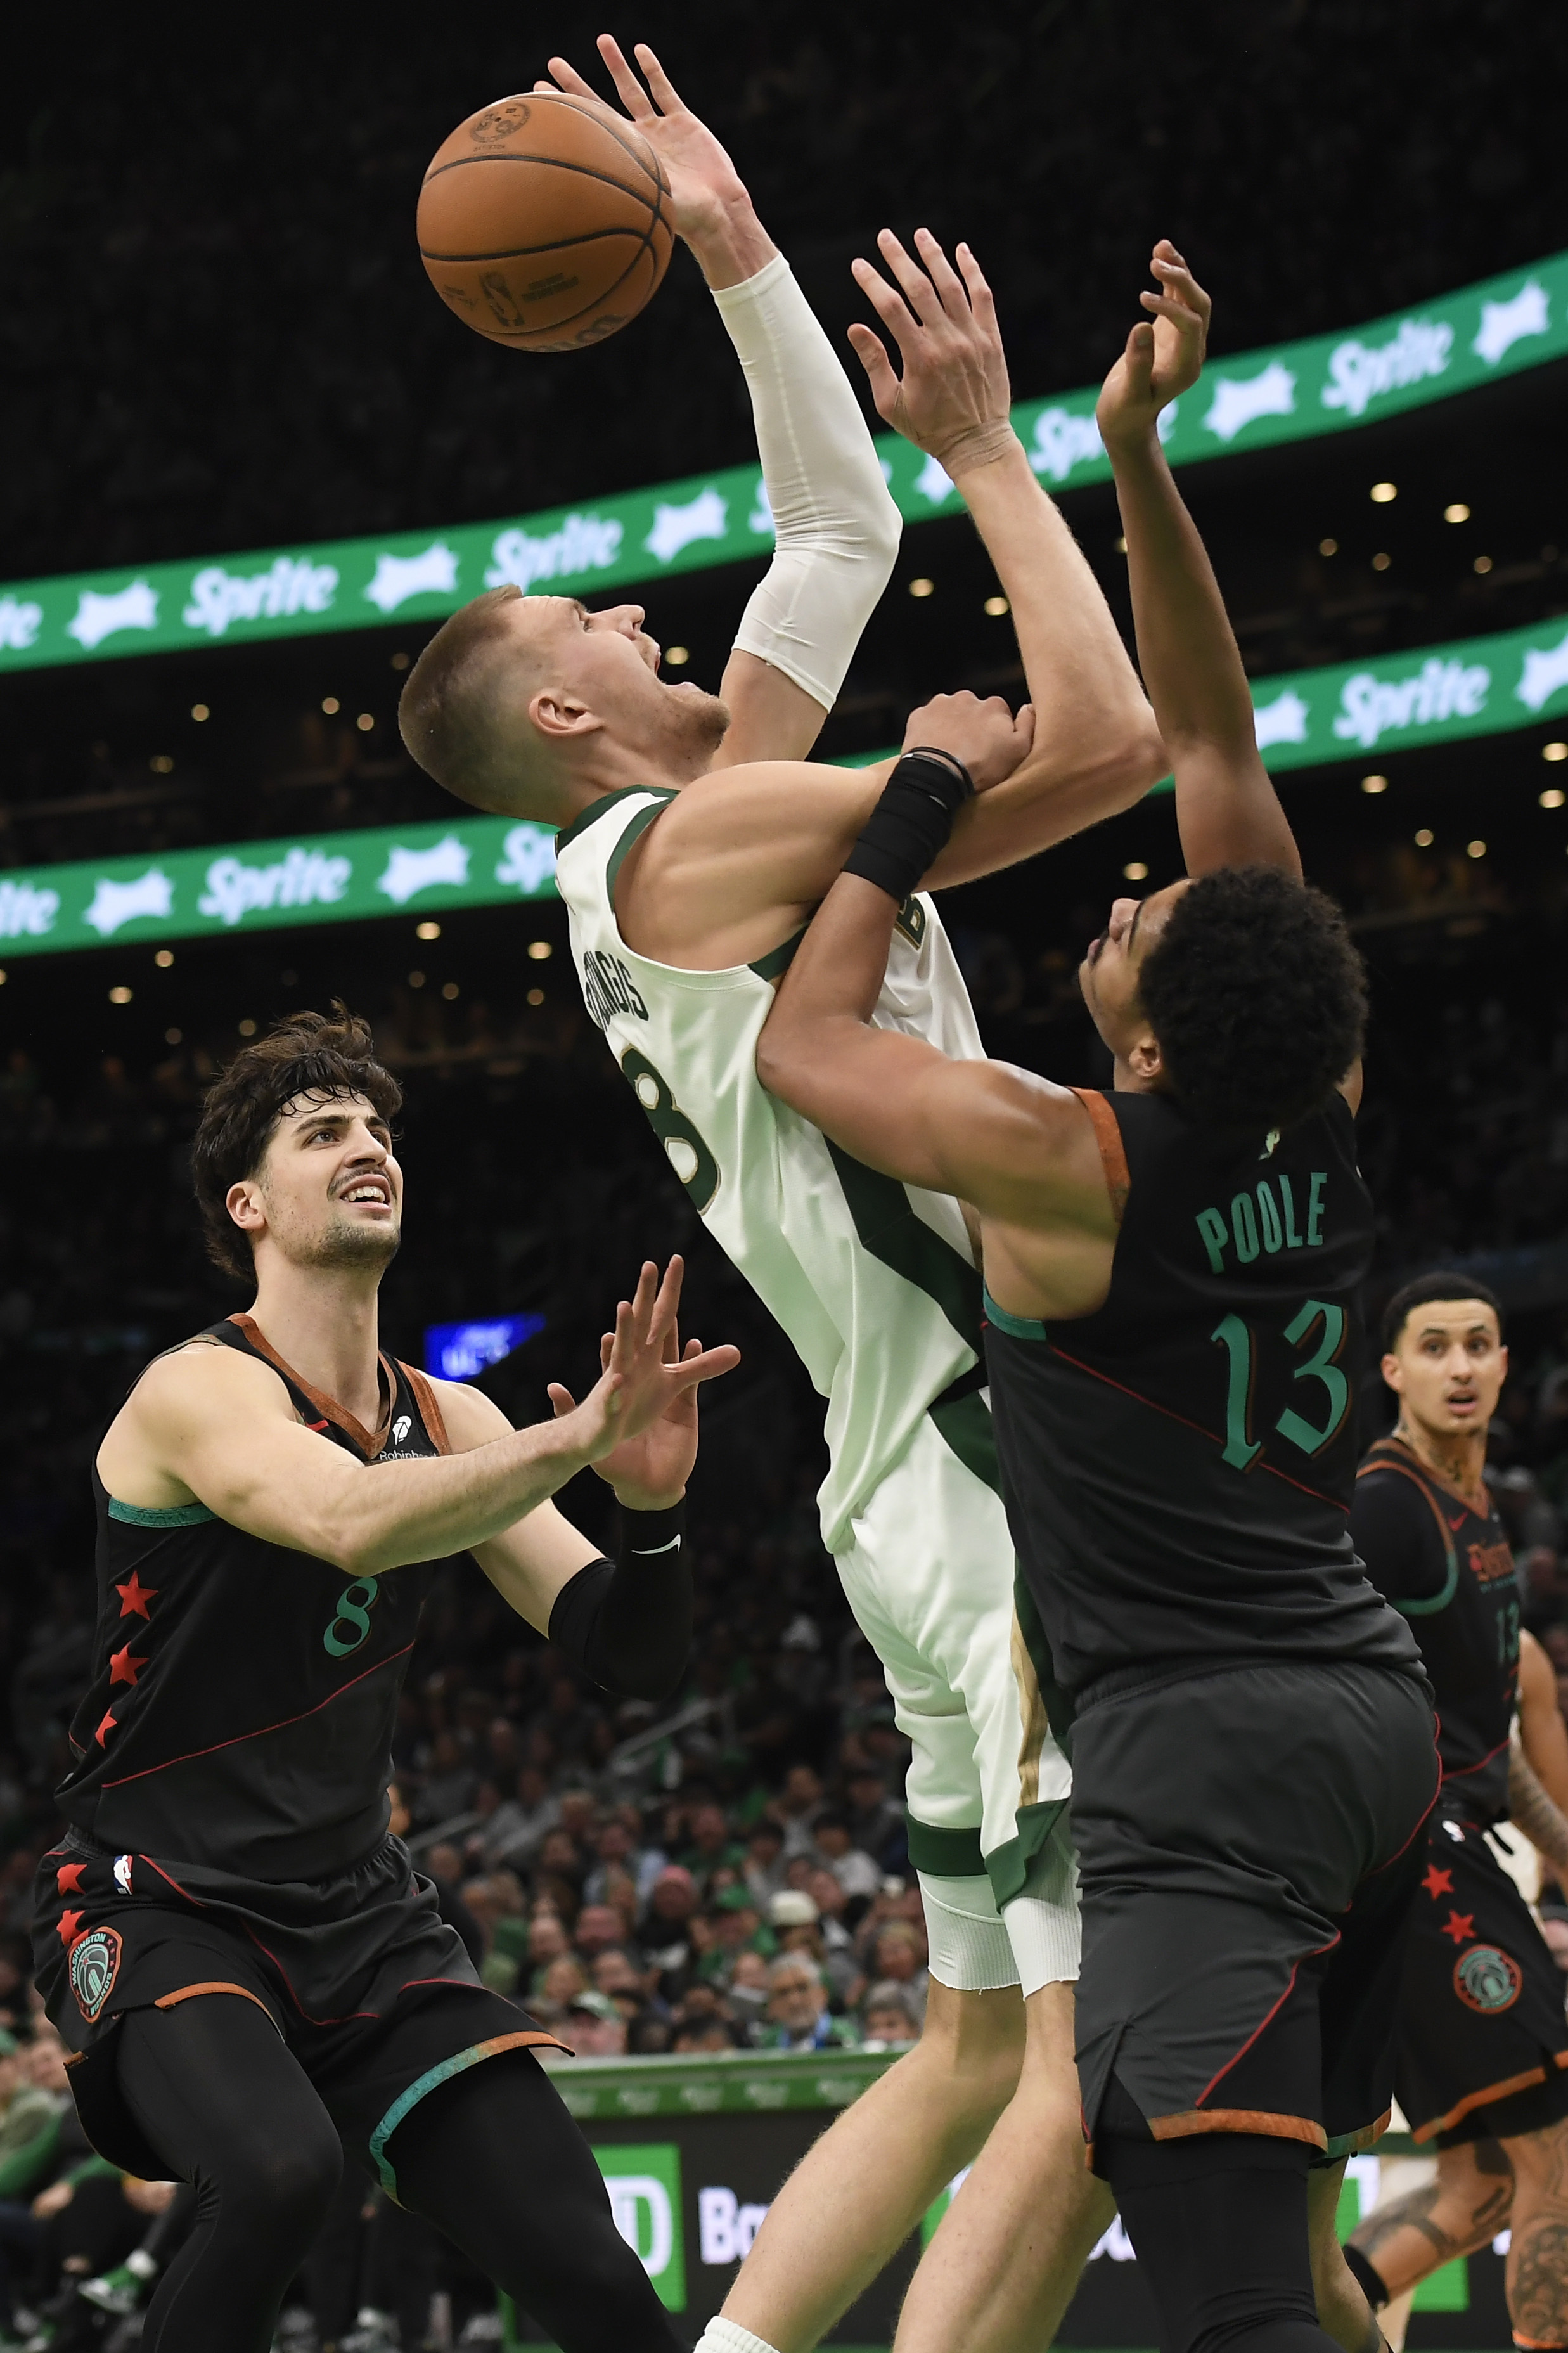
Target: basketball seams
[(560, 326), (654, 230), (546, 163)]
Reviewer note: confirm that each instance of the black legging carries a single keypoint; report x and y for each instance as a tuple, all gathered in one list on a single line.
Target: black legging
[(491, 2158), (1219, 2222)]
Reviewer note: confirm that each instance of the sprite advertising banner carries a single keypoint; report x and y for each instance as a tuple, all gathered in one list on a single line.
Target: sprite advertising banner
[(1294, 392), (1354, 710)]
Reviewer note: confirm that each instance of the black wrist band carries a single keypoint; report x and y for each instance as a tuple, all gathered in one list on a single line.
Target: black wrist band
[(910, 823), (646, 1534)]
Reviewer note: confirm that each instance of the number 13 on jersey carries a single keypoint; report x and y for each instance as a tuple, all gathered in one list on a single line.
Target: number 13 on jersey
[(1236, 1339)]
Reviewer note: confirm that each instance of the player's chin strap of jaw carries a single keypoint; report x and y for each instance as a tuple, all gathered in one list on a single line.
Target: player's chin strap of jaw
[(908, 829), (835, 526), (627, 1622)]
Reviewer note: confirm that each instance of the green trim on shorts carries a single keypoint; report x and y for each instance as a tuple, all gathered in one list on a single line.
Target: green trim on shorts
[(1009, 1867), (946, 1854), (160, 1515), (965, 1424), (1018, 1327), (431, 2079)]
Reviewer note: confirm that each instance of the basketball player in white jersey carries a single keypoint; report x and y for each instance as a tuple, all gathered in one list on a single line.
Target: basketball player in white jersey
[(695, 841)]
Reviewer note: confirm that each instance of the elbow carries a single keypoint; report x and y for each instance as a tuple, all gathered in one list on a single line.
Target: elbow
[(777, 1067), (1144, 756)]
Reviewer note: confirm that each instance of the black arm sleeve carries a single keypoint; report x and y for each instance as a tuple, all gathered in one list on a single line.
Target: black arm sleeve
[(1394, 1530), (627, 1622)]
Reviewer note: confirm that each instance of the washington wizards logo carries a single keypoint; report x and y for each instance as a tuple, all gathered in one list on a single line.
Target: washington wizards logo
[(94, 1966), (1488, 1980)]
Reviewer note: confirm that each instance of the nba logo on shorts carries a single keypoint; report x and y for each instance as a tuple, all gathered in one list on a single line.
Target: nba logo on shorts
[(123, 1874), (94, 1966), (1488, 1980)]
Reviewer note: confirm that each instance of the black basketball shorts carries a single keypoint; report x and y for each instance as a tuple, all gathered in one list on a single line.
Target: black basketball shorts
[(1250, 1844), (1483, 2044), (371, 1990)]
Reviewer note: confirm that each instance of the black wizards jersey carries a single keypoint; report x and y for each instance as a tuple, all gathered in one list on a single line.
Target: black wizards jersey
[(1443, 1561), (242, 1697), (1178, 1465)]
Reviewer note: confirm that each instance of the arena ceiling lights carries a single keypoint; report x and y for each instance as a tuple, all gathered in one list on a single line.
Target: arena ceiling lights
[(1294, 392)]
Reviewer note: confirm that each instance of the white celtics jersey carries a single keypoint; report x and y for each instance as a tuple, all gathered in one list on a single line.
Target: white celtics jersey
[(873, 1281)]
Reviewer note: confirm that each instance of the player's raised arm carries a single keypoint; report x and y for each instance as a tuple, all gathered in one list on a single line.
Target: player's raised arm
[(836, 529), (1096, 747), (1226, 807), (220, 1430)]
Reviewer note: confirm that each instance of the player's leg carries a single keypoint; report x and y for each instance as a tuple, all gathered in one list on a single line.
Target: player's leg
[(492, 2157), (1220, 2223), (1400, 2242), (855, 2196), (1537, 2275), (216, 2094), (1005, 2260), (924, 1601), (1344, 2307)]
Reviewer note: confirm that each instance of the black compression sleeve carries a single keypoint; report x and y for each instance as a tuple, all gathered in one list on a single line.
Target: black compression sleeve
[(908, 828), (627, 1622)]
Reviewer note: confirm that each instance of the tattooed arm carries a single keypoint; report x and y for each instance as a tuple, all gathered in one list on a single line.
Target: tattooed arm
[(1531, 1811), (1463, 2208)]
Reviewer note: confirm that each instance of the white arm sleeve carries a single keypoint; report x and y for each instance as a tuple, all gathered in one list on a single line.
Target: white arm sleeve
[(837, 528)]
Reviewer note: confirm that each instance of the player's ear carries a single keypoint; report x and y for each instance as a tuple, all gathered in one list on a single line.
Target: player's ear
[(243, 1202), (1392, 1371), (557, 714), (1144, 1058)]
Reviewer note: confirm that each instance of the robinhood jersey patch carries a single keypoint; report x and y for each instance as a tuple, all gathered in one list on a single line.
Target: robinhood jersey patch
[(94, 1966)]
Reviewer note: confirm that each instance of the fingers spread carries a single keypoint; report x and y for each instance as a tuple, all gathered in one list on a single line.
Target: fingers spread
[(629, 90), (566, 78), (918, 292), (943, 276), (658, 81)]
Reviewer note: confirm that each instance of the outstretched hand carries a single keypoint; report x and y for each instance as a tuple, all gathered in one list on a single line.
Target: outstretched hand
[(1165, 355), (638, 1425), (703, 182), (954, 400)]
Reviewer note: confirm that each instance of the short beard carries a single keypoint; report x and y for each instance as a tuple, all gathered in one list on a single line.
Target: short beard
[(696, 726), (343, 1245)]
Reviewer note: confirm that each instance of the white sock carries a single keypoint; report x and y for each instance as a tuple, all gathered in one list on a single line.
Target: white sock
[(723, 2335)]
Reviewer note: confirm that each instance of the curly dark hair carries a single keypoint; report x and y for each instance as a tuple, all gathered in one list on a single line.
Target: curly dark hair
[(1257, 997), (327, 1054)]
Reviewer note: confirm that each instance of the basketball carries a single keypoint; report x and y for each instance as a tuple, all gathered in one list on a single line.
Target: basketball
[(544, 222)]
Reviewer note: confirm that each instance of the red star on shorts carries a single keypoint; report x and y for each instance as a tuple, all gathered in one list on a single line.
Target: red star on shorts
[(68, 1878), (123, 1668), (1459, 1924), (105, 1728), (135, 1596), (1437, 1883), (69, 1922)]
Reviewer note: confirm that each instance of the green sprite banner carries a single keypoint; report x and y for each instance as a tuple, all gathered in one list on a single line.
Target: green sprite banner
[(1293, 392), (328, 878), (1309, 718)]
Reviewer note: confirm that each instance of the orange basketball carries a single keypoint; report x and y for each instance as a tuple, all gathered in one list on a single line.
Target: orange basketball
[(546, 224)]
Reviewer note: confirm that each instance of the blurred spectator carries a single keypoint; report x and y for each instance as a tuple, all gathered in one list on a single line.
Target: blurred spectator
[(798, 2017), (889, 2019), (763, 1869), (593, 2027), (856, 1874), (898, 1954), (796, 1807), (748, 1989), (876, 1824)]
